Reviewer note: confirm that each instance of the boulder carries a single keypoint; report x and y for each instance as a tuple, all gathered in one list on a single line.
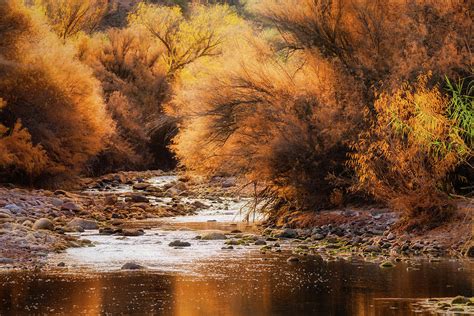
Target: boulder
[(43, 223), (141, 186), (286, 233), (84, 223), (179, 243), (132, 266), (132, 232), (137, 198), (214, 236)]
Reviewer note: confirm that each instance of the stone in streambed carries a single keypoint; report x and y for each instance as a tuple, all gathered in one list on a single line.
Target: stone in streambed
[(83, 223), (179, 243), (132, 266), (71, 206), (6, 261), (286, 233), (460, 300), (137, 198), (260, 242), (387, 264), (214, 236), (141, 186), (292, 259), (132, 232), (43, 223)]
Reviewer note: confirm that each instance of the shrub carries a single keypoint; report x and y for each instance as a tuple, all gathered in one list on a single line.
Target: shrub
[(19, 158), (419, 137), (281, 126), (56, 98)]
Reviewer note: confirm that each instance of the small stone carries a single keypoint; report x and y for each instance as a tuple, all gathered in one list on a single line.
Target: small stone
[(141, 186), (6, 261), (387, 264), (292, 259), (132, 266), (260, 242), (132, 232), (317, 237), (179, 243), (61, 264), (43, 223), (71, 206), (137, 198)]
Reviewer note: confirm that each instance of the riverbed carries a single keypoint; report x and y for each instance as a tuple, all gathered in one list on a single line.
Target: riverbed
[(205, 279)]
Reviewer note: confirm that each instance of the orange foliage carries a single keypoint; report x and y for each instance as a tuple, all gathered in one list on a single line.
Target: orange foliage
[(56, 98)]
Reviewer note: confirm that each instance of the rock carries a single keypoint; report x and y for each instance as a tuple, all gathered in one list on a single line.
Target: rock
[(391, 236), (317, 237), (6, 261), (387, 264), (110, 200), (73, 229), (43, 223), (372, 248), (13, 208), (57, 202), (260, 242), (141, 186), (83, 223), (107, 231), (132, 232), (286, 233), (200, 205), (236, 231), (179, 243), (71, 206), (460, 300), (61, 264), (132, 266), (229, 182), (214, 236), (137, 198), (292, 259)]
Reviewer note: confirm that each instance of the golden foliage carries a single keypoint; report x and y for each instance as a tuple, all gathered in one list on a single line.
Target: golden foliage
[(70, 17), (407, 154), (56, 98)]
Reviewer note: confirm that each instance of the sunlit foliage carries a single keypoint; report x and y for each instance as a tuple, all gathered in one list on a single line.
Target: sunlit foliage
[(54, 96), (70, 17), (419, 136)]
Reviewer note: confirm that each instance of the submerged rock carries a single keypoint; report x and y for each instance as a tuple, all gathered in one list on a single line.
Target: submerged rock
[(43, 223), (179, 243), (214, 236), (460, 300), (71, 206), (293, 259), (132, 266)]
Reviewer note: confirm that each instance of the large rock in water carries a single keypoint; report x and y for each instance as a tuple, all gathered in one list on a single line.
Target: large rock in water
[(43, 223), (83, 223), (179, 243), (132, 266), (213, 236), (286, 233)]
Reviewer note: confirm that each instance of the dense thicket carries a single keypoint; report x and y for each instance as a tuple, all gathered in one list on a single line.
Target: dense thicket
[(318, 118), (50, 97)]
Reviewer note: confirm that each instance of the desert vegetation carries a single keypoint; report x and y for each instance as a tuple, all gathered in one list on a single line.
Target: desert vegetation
[(311, 103)]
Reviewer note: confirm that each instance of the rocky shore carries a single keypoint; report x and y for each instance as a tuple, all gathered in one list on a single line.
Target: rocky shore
[(34, 223)]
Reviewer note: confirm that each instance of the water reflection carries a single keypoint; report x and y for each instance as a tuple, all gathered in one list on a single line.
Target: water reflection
[(252, 286)]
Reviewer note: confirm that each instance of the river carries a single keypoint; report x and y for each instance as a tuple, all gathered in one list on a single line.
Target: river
[(205, 279)]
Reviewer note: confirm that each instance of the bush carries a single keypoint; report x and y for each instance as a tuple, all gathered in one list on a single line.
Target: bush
[(419, 137), (286, 133), (56, 98)]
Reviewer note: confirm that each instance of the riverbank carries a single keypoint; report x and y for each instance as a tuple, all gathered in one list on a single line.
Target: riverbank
[(35, 223)]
